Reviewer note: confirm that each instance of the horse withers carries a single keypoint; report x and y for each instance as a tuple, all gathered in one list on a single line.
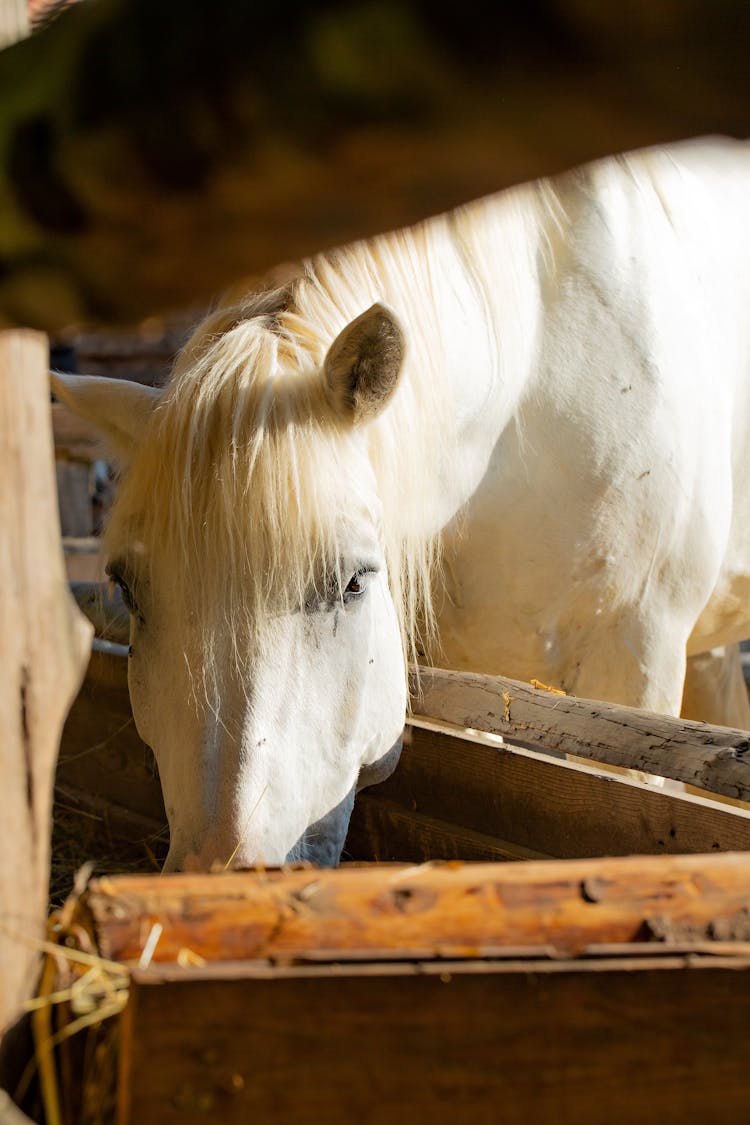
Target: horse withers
[(516, 433)]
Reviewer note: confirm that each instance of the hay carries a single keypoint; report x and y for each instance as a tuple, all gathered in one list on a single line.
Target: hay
[(80, 994), (111, 840)]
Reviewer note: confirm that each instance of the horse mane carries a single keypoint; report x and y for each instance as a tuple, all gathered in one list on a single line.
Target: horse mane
[(245, 471)]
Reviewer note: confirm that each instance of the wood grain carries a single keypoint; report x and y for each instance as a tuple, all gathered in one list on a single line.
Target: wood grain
[(711, 758), (445, 910), (618, 1042), (44, 644), (386, 830), (716, 759), (451, 796), (524, 803)]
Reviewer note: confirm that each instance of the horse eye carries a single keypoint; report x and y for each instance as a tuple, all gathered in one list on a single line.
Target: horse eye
[(354, 586)]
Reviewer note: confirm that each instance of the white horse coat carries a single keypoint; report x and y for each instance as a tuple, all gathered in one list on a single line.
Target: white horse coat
[(555, 377)]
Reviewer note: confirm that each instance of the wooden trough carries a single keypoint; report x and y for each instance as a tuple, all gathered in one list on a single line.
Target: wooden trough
[(566, 988), (550, 991)]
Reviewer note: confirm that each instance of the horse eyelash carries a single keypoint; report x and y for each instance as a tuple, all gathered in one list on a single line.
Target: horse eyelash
[(127, 594), (336, 591)]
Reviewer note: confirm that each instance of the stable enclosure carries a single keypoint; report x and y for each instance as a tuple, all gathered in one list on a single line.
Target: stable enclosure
[(416, 980)]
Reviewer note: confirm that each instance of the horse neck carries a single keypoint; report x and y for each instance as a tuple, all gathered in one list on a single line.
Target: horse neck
[(465, 286)]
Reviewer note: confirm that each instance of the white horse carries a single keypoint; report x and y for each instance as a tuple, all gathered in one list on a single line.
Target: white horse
[(555, 378)]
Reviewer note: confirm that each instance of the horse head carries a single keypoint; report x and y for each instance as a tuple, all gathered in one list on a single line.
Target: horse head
[(248, 539)]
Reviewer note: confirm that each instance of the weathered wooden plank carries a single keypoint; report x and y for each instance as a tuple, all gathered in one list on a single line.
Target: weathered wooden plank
[(716, 759), (371, 116), (521, 801), (74, 498), (444, 910), (520, 1043), (84, 562)]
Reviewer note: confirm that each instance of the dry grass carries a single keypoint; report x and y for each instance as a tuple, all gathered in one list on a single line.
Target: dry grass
[(76, 1032), (110, 840)]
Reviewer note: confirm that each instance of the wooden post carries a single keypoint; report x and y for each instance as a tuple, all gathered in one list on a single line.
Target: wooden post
[(14, 21), (44, 643)]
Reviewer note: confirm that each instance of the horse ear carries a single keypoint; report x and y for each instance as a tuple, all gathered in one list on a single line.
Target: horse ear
[(118, 408), (363, 364)]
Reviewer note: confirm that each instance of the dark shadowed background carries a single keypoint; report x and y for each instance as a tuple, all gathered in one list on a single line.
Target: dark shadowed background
[(152, 153)]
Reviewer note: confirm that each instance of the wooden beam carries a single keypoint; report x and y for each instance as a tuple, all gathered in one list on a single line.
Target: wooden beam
[(708, 757), (388, 830), (74, 497), (75, 438), (716, 759), (369, 117), (557, 908)]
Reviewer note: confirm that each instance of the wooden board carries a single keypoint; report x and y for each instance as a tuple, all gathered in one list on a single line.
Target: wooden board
[(85, 561), (74, 437), (307, 129), (74, 497), (716, 759), (598, 990), (44, 643), (710, 758), (454, 797), (620, 1041)]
